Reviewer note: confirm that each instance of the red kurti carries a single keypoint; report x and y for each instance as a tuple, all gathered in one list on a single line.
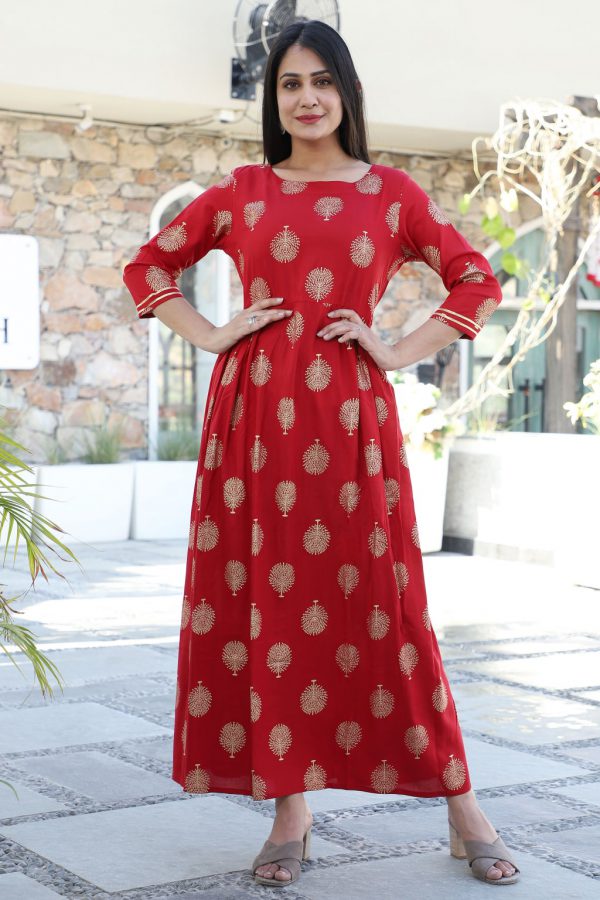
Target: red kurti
[(307, 658)]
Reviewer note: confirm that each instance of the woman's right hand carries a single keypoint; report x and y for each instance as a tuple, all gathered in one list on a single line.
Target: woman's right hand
[(222, 337)]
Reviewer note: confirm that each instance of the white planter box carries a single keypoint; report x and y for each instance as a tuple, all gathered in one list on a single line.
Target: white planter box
[(530, 497), (91, 502), (164, 491), (429, 478)]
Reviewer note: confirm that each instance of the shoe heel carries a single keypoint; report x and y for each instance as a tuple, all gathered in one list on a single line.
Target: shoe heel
[(306, 844), (457, 847)]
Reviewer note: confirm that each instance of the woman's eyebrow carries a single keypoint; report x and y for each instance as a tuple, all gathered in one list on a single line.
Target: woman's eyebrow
[(297, 74)]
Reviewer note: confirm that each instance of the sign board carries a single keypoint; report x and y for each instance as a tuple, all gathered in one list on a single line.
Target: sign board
[(19, 302)]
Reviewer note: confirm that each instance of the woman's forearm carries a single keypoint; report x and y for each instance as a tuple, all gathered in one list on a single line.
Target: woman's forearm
[(182, 318), (424, 341)]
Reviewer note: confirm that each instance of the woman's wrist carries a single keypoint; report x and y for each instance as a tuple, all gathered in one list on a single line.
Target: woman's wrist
[(423, 342)]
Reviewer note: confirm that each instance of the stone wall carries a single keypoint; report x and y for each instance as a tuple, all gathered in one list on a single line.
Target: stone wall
[(87, 198)]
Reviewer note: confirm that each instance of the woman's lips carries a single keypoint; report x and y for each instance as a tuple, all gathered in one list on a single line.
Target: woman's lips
[(309, 118)]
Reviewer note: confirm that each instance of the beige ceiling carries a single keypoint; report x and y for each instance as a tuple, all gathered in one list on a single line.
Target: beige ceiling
[(434, 74)]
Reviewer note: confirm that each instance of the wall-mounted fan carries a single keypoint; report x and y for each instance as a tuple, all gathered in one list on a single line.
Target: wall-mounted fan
[(256, 26)]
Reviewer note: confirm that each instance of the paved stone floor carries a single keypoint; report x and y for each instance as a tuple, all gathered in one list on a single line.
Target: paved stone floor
[(98, 815)]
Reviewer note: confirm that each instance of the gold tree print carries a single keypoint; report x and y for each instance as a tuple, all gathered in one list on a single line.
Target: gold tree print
[(382, 411), (374, 297), (295, 327), (232, 738), (392, 494), (259, 787), (237, 411), (235, 575), (198, 491), (158, 279), (222, 221), (436, 213), (318, 374), (372, 453), (213, 456), (347, 657), (234, 493), (229, 371), (285, 496), (349, 496), (363, 376), (314, 619), (186, 610), (253, 212), (347, 735), (378, 623), (362, 250), (454, 773), (280, 740), (416, 740), (316, 538), (485, 310), (285, 245), (207, 536), (199, 700), (257, 538), (403, 455), (392, 218), (286, 413), (381, 702), (378, 541), (279, 657), (255, 621), (426, 619), (319, 283), (326, 207), (235, 656), (259, 289), (255, 705), (281, 577), (384, 778), (172, 238), (472, 274), (258, 454), (350, 414), (313, 698), (315, 777), (371, 183), (315, 458), (401, 573), (260, 369), (347, 578), (197, 780), (203, 617), (439, 697), (414, 534), (408, 657), (432, 257)]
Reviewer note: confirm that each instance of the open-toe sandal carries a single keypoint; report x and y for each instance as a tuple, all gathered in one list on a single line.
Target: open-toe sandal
[(287, 856), (482, 855)]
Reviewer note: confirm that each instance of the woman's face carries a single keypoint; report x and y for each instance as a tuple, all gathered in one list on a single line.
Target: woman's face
[(304, 88)]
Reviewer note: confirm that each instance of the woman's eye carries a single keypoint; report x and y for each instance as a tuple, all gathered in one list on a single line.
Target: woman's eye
[(320, 81)]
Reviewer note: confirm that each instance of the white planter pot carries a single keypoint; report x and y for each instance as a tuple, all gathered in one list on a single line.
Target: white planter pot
[(429, 477), (91, 502), (162, 498)]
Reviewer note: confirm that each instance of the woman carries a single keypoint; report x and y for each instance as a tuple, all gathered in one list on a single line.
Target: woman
[(307, 657)]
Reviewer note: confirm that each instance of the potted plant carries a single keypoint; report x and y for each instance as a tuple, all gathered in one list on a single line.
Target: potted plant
[(22, 522), (428, 434), (95, 494), (163, 488)]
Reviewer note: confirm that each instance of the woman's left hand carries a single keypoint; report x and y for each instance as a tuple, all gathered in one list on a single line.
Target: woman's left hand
[(349, 327)]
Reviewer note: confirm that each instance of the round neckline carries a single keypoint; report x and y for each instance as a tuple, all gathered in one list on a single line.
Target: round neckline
[(320, 180)]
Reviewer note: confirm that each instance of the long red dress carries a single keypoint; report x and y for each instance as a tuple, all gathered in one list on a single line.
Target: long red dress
[(307, 659)]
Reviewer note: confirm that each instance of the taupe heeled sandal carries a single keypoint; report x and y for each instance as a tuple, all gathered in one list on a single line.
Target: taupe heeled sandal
[(287, 856), (482, 855)]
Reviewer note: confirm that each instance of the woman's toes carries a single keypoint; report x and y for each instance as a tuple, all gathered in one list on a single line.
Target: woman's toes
[(494, 872), (283, 874)]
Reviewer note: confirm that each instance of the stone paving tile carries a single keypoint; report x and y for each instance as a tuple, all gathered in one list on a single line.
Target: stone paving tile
[(97, 775), (588, 793), (15, 886), (78, 667), (438, 876), (525, 716), (28, 803), (565, 670), (582, 843), (589, 754), (491, 765), (153, 845), (68, 724), (98, 690), (518, 648)]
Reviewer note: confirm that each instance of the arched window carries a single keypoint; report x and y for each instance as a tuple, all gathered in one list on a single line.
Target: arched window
[(179, 373)]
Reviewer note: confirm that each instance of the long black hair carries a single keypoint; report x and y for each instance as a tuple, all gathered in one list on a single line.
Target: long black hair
[(325, 41)]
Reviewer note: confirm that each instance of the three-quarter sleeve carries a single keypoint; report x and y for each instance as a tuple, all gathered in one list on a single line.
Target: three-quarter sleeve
[(428, 235), (205, 224)]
